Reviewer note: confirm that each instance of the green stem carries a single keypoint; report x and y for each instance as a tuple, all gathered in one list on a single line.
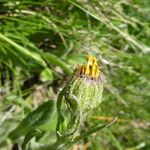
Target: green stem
[(63, 137), (60, 117)]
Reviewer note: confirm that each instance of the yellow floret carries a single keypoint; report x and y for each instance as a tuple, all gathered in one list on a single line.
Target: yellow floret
[(91, 68)]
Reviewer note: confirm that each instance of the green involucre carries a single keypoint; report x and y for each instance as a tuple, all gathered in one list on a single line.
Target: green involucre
[(83, 94)]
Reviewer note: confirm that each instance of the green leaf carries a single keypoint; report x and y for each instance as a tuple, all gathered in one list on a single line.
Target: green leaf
[(35, 119), (46, 75), (54, 60), (29, 136), (31, 54), (88, 133)]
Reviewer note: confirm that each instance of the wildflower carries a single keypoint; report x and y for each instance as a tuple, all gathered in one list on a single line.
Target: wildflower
[(83, 92)]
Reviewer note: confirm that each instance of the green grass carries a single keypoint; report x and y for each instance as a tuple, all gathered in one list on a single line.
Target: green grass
[(41, 42)]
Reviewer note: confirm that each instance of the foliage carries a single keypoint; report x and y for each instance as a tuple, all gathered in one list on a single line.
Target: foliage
[(40, 44)]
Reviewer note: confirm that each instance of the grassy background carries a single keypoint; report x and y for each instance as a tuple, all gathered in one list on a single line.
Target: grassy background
[(42, 41)]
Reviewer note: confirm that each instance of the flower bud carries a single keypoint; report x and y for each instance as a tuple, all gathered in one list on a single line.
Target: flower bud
[(83, 92)]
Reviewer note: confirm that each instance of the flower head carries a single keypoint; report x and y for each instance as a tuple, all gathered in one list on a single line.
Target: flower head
[(83, 92), (91, 69), (90, 72)]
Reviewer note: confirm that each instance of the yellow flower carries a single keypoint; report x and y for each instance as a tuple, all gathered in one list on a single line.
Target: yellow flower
[(91, 69), (83, 92)]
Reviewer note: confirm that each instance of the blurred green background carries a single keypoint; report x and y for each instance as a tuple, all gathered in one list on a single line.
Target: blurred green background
[(41, 42)]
